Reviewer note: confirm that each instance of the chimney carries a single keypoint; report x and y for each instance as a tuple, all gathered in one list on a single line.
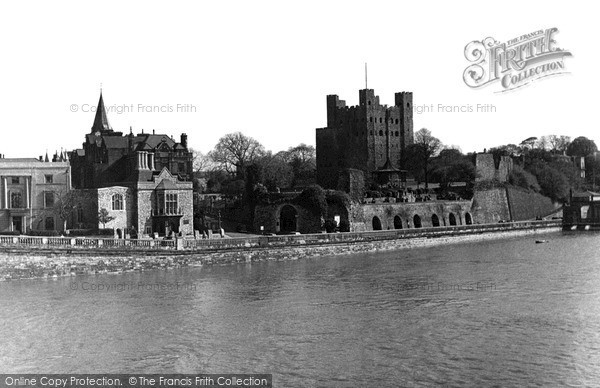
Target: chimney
[(184, 140)]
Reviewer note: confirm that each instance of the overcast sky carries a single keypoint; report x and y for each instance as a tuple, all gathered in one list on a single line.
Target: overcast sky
[(265, 68)]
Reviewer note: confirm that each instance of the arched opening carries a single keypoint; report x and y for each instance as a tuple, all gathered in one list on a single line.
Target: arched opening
[(287, 219), (119, 233), (417, 221), (435, 220), (468, 219), (376, 223), (452, 219), (397, 222)]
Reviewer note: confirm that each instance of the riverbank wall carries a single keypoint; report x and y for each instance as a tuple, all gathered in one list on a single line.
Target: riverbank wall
[(34, 257)]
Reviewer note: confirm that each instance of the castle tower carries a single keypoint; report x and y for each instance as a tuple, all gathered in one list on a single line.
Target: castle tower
[(404, 102), (367, 137)]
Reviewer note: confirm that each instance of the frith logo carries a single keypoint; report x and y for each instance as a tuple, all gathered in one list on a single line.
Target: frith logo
[(515, 63)]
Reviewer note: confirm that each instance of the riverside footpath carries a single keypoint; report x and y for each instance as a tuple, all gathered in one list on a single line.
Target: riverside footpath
[(23, 257)]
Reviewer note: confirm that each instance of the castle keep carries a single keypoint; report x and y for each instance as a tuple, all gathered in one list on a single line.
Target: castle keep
[(367, 137)]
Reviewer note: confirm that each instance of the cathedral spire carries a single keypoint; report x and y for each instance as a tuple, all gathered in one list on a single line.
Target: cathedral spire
[(101, 120)]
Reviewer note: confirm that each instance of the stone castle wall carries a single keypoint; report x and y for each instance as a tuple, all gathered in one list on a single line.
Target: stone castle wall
[(491, 205), (526, 205), (488, 168), (402, 215)]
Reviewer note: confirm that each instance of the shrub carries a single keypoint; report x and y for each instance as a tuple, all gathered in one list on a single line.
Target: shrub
[(313, 199), (330, 226), (344, 226)]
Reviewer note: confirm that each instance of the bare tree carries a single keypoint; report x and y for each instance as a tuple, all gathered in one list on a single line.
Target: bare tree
[(235, 151), (424, 147), (201, 162), (558, 144)]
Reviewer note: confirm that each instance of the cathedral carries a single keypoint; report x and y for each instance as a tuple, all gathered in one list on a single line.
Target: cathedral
[(139, 183)]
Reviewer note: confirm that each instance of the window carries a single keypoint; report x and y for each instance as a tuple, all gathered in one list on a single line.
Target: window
[(49, 178), (79, 215), (171, 204), (16, 200), (49, 223), (148, 230), (48, 199), (160, 203), (117, 202), (15, 180), (181, 167)]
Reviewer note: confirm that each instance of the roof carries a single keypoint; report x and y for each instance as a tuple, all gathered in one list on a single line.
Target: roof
[(101, 119), (166, 184), (585, 194), (115, 142)]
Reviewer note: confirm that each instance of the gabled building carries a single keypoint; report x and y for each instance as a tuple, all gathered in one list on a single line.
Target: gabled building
[(143, 180)]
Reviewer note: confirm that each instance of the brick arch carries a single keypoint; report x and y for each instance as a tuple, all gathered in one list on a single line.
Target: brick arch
[(397, 222), (435, 220), (468, 218), (417, 221), (452, 219), (288, 218), (376, 223)]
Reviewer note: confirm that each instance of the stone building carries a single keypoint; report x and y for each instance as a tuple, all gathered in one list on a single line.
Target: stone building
[(490, 167), (144, 181), (367, 137), (31, 191)]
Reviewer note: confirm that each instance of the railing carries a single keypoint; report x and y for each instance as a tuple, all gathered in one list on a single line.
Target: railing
[(268, 241)]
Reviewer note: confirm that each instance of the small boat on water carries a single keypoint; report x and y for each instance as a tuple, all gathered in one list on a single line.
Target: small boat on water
[(541, 241)]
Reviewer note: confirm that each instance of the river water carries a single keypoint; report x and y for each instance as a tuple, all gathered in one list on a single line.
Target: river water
[(505, 312)]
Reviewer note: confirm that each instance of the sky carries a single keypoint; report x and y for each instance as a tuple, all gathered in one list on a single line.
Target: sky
[(265, 68)]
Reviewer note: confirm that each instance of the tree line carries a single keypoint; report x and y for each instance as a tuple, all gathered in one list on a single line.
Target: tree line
[(237, 159)]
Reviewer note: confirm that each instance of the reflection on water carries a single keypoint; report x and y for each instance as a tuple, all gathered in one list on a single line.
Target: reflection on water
[(507, 312)]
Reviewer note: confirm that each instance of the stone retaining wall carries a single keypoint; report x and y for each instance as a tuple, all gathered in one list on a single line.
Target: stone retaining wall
[(29, 261)]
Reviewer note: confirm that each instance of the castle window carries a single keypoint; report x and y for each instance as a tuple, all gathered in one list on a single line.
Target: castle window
[(371, 132), (407, 105), (369, 102), (397, 133), (48, 178), (381, 119), (371, 119), (48, 199), (396, 121), (380, 133), (15, 180), (117, 202)]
